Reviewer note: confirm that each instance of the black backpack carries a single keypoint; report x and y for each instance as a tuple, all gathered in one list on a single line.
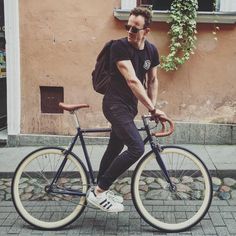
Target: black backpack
[(101, 74)]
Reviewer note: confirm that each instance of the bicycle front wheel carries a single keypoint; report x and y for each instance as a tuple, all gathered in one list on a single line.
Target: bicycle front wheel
[(49, 209), (172, 209)]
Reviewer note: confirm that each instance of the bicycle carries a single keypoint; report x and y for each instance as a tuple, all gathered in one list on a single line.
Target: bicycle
[(171, 187)]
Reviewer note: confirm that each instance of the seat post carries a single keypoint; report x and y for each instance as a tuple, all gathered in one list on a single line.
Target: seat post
[(76, 119)]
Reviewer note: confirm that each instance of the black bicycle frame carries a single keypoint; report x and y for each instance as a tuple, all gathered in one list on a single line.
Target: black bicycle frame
[(156, 149)]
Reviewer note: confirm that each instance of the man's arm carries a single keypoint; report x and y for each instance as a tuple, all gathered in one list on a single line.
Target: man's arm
[(152, 85), (127, 70)]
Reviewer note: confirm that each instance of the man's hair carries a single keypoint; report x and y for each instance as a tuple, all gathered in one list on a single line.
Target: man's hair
[(142, 11)]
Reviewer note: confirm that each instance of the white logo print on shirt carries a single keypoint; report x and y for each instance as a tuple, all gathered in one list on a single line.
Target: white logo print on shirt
[(147, 64)]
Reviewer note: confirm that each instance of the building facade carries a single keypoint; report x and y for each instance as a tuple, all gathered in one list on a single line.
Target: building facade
[(51, 52)]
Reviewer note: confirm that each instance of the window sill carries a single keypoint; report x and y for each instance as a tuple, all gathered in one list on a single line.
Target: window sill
[(203, 17)]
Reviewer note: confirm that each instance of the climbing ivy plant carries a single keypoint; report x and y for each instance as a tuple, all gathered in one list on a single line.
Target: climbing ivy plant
[(182, 33)]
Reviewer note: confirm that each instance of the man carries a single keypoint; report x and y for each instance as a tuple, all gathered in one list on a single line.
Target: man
[(132, 59)]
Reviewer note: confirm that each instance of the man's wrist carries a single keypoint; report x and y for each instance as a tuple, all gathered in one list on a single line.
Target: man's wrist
[(152, 111)]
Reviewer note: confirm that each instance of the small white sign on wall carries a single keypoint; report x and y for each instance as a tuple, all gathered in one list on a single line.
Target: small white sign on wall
[(128, 4)]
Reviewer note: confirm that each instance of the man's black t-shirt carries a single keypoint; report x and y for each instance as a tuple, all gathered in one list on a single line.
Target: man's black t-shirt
[(142, 61)]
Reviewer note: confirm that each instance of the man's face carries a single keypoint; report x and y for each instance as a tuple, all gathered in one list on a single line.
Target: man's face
[(137, 22)]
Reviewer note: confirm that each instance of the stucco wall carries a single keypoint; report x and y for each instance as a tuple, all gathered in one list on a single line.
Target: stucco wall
[(59, 44)]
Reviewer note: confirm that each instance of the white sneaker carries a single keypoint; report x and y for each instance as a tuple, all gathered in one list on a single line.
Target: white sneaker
[(115, 198), (104, 202)]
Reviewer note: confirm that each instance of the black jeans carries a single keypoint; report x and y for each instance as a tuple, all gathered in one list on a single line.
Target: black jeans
[(124, 132)]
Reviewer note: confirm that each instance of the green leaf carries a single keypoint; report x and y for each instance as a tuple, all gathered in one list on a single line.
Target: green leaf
[(182, 33)]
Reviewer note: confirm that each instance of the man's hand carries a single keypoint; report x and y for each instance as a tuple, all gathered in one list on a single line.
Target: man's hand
[(158, 115)]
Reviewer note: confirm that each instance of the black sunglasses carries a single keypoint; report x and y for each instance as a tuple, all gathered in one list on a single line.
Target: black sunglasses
[(133, 29)]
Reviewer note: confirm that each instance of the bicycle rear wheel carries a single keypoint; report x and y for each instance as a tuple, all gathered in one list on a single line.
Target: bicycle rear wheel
[(42, 208), (167, 209)]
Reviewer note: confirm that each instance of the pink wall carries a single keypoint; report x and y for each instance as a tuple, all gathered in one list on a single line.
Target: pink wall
[(59, 45)]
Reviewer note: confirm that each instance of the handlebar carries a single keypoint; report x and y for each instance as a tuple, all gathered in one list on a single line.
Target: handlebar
[(163, 132)]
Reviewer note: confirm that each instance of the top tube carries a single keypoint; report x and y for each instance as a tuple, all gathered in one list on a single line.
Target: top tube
[(103, 130)]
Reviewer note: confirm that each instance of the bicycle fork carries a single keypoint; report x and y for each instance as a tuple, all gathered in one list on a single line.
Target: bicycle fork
[(162, 165), (156, 148)]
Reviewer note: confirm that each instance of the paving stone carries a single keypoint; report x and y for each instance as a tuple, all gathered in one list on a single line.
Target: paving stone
[(232, 202), (222, 231), (216, 219), (98, 230), (87, 226), (229, 182), (216, 181), (208, 227), (134, 225), (234, 215), (219, 203), (224, 195), (123, 231), (227, 208), (125, 189), (197, 230), (4, 215), (231, 226), (123, 219), (134, 215), (214, 209), (226, 215), (233, 194), (225, 188), (111, 226)]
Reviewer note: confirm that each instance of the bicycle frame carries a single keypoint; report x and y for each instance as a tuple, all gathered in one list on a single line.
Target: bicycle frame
[(156, 148)]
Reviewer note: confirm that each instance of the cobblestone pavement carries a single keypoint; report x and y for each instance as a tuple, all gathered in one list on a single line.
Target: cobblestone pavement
[(220, 220), (223, 189)]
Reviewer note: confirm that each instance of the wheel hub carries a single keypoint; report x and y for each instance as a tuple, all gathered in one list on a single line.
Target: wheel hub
[(47, 189), (173, 188)]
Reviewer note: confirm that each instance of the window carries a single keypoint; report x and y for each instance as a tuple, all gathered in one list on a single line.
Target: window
[(224, 12), (203, 5), (164, 5)]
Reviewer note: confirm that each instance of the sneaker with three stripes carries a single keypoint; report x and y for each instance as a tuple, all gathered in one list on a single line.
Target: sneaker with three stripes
[(104, 201), (116, 198)]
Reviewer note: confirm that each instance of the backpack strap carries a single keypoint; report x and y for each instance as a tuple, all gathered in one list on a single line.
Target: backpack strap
[(130, 49), (104, 50)]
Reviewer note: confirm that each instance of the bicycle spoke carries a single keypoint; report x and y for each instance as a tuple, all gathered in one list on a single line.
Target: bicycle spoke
[(36, 184)]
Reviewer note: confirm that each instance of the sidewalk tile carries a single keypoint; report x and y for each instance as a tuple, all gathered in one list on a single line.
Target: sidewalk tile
[(227, 208), (232, 202), (222, 231), (216, 219), (226, 215), (123, 231), (208, 227), (231, 225)]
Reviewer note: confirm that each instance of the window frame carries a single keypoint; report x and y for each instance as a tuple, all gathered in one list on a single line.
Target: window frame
[(214, 17)]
